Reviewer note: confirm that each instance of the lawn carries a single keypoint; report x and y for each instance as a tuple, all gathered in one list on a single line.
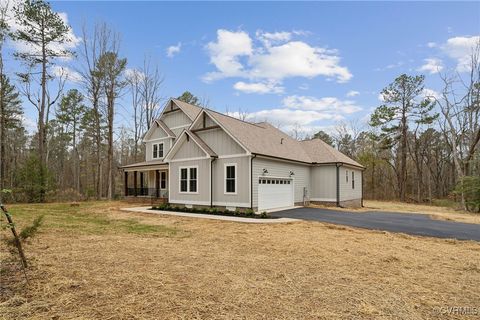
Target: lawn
[(96, 262)]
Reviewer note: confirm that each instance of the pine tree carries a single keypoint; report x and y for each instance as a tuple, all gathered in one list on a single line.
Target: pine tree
[(403, 104), (10, 119), (43, 32)]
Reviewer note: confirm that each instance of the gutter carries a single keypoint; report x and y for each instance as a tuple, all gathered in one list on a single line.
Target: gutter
[(338, 165), (251, 180), (212, 159), (362, 190)]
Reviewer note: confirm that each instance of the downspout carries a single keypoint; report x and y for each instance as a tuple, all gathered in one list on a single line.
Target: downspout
[(251, 180), (362, 188), (212, 159), (338, 183)]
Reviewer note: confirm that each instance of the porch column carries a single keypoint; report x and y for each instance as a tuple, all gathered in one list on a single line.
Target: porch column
[(135, 183), (126, 183), (157, 183)]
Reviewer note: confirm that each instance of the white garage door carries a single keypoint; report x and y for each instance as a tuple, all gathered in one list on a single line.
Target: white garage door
[(275, 193)]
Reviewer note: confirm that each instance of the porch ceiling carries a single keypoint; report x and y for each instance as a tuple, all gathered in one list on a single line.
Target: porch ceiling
[(145, 166)]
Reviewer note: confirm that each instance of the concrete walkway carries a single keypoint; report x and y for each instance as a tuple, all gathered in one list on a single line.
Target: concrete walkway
[(208, 216), (409, 223)]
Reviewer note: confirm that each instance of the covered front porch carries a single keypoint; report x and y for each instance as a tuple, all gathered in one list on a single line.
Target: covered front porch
[(149, 180)]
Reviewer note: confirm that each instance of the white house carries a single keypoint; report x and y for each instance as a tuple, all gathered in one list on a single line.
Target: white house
[(199, 157)]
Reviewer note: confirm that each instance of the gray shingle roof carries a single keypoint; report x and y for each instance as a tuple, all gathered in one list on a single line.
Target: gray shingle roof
[(264, 139), (190, 110), (321, 152), (165, 128), (201, 143)]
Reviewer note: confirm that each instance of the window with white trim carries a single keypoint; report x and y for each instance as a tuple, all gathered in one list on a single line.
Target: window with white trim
[(230, 178), (346, 175), (353, 180), (188, 179), (192, 180), (184, 180), (157, 150)]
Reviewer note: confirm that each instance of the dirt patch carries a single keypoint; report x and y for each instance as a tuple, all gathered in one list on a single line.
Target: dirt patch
[(225, 270)]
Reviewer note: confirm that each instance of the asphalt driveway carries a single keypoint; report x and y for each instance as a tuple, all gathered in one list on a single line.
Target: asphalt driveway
[(414, 224)]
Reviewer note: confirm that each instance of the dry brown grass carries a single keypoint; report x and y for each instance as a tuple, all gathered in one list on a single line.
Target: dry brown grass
[(441, 213), (185, 268)]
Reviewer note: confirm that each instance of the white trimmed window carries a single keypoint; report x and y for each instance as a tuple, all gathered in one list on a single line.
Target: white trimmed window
[(157, 150), (230, 178), (346, 175), (353, 180), (188, 178)]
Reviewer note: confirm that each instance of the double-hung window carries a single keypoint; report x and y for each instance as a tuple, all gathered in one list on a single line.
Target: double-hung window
[(346, 175), (353, 180), (157, 151), (188, 179), (230, 178), (192, 180)]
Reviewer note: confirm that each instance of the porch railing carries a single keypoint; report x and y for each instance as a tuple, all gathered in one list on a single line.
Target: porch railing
[(150, 192)]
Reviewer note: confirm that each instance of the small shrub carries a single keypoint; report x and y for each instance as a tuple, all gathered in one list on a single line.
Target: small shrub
[(28, 232), (213, 211), (264, 215), (249, 213)]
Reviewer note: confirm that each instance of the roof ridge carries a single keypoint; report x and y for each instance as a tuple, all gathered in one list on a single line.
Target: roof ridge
[(231, 117)]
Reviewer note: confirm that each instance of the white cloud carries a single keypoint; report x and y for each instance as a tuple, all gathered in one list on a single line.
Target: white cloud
[(225, 53), (431, 65), (297, 59), (173, 50), (352, 93), (391, 66), (275, 58), (307, 113), (72, 40), (326, 104), (380, 97), (131, 73), (66, 73), (259, 87), (430, 93), (269, 38), (431, 44), (460, 49)]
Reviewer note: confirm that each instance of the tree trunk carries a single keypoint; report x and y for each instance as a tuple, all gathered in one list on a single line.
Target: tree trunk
[(403, 157), (110, 148), (41, 123)]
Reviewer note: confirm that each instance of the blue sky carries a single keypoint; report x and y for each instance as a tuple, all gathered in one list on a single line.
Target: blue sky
[(312, 64)]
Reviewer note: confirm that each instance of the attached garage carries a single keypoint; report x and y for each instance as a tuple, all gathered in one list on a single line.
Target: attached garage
[(274, 193)]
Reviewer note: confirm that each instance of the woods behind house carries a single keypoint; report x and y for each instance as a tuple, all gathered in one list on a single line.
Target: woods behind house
[(418, 145)]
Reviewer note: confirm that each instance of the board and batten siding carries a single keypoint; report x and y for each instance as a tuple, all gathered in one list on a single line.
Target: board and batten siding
[(276, 168), (242, 196), (202, 197), (324, 183), (220, 142), (167, 144), (176, 119), (189, 149), (346, 190)]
